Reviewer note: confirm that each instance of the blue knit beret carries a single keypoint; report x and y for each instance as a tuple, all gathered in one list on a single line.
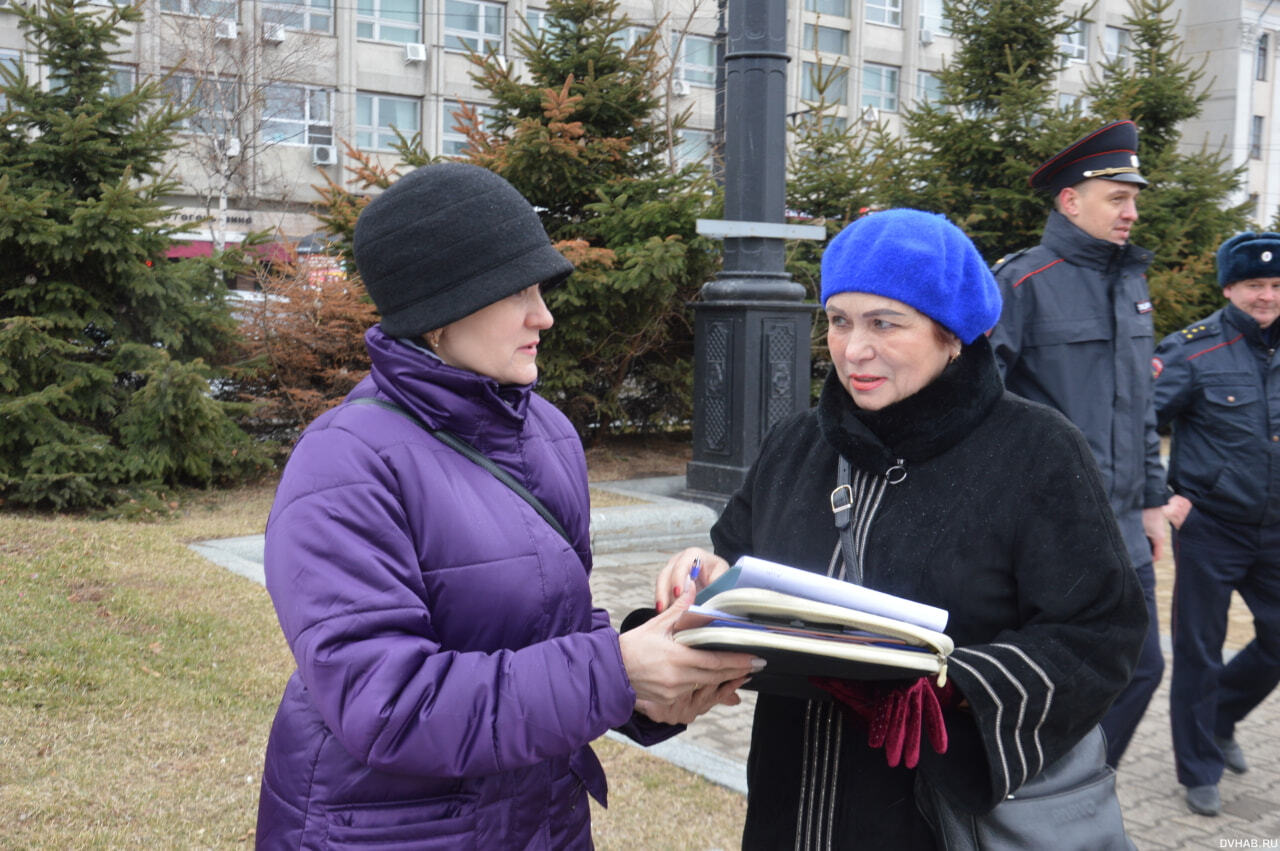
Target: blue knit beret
[(1249, 255), (917, 258)]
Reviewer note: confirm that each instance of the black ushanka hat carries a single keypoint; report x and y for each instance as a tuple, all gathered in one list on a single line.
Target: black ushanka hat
[(446, 240), (1247, 256)]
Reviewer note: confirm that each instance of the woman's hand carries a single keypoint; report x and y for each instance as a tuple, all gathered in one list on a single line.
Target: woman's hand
[(674, 576), (1176, 510), (674, 684)]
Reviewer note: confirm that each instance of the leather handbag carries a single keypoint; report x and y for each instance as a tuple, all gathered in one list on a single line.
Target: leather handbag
[(1070, 806)]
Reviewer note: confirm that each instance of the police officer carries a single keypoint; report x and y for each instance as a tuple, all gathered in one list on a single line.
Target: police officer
[(1076, 334), (1218, 383)]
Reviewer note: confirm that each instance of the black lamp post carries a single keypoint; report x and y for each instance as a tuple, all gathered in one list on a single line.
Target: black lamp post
[(751, 343)]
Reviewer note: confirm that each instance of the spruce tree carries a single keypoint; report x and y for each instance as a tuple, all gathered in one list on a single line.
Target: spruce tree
[(587, 140), (836, 172), (1185, 214), (104, 391), (969, 154)]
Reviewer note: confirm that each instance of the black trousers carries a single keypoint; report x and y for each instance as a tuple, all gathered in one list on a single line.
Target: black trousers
[(1214, 557)]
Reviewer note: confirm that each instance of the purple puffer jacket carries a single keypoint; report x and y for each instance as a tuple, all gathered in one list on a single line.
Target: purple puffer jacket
[(451, 668)]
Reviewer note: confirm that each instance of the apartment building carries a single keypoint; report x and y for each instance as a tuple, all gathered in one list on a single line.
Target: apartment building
[(280, 86)]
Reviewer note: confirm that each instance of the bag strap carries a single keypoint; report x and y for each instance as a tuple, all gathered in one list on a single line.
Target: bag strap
[(459, 445), (842, 507)]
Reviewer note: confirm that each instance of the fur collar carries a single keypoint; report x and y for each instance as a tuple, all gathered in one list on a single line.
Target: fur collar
[(916, 428)]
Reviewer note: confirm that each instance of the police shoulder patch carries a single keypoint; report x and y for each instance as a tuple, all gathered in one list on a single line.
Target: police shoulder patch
[(1197, 330), (1008, 257)]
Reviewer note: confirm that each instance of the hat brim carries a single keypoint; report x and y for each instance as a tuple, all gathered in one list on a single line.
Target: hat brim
[(545, 266), (1128, 178)]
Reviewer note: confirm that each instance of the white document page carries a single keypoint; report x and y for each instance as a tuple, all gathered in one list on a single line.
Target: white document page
[(759, 573)]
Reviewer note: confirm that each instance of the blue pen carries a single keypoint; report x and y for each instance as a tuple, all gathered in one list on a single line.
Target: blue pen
[(697, 565)]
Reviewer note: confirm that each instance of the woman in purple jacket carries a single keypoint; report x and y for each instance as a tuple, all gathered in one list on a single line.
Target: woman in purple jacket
[(451, 668)]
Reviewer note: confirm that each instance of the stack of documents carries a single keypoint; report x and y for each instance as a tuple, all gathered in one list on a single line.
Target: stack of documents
[(808, 625)]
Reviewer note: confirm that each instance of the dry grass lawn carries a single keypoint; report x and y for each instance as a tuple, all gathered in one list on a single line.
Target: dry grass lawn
[(138, 682)]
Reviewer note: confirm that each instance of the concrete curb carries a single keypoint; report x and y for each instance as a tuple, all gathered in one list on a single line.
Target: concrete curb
[(662, 522)]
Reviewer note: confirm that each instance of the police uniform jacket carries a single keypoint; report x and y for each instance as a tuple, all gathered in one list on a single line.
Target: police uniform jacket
[(1219, 385), (1001, 519), (1076, 334)]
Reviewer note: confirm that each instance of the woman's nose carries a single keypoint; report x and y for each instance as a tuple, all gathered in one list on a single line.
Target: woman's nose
[(540, 316)]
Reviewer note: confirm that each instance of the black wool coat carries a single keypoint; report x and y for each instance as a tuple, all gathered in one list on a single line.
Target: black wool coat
[(1001, 519)]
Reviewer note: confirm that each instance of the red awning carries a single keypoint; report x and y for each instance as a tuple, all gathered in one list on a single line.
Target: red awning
[(194, 248), (270, 252)]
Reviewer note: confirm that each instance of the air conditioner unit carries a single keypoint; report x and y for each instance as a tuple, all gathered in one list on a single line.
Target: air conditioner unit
[(926, 37), (679, 88), (228, 147), (323, 155), (227, 30), (870, 115), (414, 52), (273, 33)]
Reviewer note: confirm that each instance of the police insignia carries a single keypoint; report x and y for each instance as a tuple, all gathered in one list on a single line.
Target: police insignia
[(1157, 367), (1143, 306), (1192, 331)]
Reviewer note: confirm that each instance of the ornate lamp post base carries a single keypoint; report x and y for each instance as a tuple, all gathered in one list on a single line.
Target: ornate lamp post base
[(751, 370)]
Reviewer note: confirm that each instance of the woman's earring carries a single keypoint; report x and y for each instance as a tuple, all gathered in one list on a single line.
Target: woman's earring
[(433, 340)]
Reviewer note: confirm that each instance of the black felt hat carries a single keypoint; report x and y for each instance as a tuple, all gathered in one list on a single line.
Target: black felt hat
[(446, 240), (1110, 152)]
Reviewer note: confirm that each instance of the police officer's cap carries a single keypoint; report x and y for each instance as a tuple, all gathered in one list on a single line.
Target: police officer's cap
[(1110, 152), (1247, 256)]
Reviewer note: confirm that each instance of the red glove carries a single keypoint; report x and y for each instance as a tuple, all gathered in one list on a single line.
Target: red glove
[(896, 714)]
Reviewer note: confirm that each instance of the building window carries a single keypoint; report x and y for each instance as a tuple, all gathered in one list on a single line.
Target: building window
[(312, 15), (885, 12), (625, 39), (1115, 44), (388, 20), (453, 140), (827, 83), (12, 61), (693, 147), (297, 115), (214, 100), (378, 117), (839, 8), (472, 25), (696, 59), (933, 18), (536, 21), (1255, 138), (880, 87), (1260, 59), (203, 8), (826, 39), (121, 81), (1068, 101), (1075, 43), (928, 87)]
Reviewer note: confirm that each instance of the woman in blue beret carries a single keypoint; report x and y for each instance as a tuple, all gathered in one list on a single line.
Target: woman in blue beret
[(966, 498)]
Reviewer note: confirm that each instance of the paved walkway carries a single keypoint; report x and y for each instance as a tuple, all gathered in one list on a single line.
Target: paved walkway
[(633, 542)]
